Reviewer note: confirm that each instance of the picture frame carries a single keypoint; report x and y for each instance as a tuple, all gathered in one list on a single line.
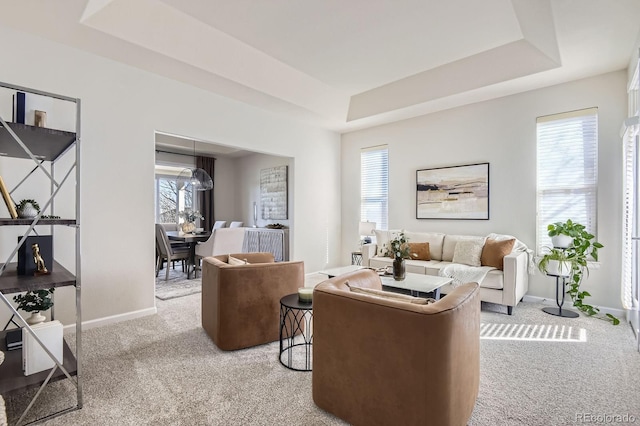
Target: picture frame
[(7, 200), (273, 193), (454, 192)]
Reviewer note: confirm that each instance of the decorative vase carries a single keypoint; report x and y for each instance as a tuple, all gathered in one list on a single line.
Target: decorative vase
[(28, 211), (188, 227), (561, 241), (398, 269), (36, 318)]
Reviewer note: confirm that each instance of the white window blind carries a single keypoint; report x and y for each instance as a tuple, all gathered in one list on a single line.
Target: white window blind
[(630, 163), (374, 186), (567, 170)]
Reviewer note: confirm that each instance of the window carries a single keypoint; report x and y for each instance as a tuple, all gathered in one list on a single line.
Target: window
[(567, 170), (374, 186), (169, 200)]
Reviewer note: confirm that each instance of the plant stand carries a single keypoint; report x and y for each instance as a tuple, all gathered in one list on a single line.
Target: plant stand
[(559, 312)]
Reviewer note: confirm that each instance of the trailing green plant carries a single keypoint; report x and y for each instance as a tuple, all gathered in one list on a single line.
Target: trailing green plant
[(578, 254), (554, 254), (35, 301), (568, 228), (23, 203)]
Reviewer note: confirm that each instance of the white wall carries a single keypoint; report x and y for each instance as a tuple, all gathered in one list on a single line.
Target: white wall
[(503, 133), (122, 107)]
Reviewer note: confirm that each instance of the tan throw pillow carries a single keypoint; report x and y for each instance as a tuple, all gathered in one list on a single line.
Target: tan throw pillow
[(388, 295), (235, 261), (494, 252), (468, 252), (419, 251)]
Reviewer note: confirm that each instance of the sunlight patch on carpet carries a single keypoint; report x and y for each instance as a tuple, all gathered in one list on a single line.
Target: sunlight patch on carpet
[(532, 332)]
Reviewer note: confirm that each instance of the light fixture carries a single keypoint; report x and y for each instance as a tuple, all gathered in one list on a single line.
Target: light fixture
[(198, 178), (365, 229)]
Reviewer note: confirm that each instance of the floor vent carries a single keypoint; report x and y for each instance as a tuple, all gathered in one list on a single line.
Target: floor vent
[(533, 332)]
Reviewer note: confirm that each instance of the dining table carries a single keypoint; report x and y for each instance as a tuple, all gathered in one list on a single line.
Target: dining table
[(192, 239)]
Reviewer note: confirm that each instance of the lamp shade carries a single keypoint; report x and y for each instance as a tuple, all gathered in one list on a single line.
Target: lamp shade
[(197, 178), (366, 228)]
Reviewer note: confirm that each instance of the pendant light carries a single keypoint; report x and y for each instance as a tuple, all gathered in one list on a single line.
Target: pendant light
[(198, 178)]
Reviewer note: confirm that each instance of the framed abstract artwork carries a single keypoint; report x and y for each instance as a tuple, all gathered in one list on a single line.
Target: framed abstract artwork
[(458, 192), (273, 193)]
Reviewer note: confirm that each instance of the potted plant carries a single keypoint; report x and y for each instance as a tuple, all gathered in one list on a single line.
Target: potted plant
[(190, 216), (398, 249), (35, 302), (555, 263), (582, 249), (28, 208)]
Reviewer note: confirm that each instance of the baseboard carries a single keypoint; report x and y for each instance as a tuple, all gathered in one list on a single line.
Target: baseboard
[(620, 313), (99, 322)]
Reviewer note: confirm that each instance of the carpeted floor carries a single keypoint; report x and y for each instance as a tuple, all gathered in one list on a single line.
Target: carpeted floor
[(164, 370), (177, 285)]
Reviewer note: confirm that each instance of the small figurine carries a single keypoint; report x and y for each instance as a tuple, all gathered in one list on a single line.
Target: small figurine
[(41, 268)]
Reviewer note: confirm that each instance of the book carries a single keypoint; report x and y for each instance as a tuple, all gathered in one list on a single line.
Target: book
[(13, 339), (34, 357)]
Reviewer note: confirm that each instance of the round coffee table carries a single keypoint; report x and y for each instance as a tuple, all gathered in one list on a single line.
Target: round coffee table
[(296, 336)]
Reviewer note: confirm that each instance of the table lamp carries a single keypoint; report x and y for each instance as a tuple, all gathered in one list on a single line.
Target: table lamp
[(365, 229)]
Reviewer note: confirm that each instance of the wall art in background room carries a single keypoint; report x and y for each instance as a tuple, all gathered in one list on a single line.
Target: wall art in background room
[(273, 192), (458, 192)]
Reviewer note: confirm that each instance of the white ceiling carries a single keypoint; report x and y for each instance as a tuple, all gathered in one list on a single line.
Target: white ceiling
[(347, 65)]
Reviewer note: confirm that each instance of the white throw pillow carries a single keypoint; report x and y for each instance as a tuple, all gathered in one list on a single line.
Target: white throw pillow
[(234, 261), (468, 252)]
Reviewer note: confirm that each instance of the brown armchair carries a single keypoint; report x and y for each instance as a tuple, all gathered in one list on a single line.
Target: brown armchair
[(383, 362), (241, 304)]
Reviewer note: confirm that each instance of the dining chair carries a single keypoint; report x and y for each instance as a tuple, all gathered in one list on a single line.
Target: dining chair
[(220, 224), (236, 224), (166, 251)]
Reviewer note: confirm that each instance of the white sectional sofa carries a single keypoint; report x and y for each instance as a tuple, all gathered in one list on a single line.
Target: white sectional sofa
[(505, 287)]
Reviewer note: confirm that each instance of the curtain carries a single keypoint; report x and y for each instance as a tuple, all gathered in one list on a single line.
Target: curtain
[(206, 197)]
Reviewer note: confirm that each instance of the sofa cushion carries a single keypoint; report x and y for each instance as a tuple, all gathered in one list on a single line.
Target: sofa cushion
[(382, 240), (493, 252), (390, 295), (494, 279), (450, 241), (419, 251), (434, 239), (468, 252)]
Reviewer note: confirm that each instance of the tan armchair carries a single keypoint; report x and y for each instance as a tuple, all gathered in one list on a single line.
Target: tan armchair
[(383, 362), (241, 304)]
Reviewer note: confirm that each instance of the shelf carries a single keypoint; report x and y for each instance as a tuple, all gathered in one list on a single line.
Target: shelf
[(8, 221), (12, 378), (11, 282), (45, 144)]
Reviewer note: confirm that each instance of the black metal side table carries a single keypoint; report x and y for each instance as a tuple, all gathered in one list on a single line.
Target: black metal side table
[(296, 334), (356, 258), (560, 301)]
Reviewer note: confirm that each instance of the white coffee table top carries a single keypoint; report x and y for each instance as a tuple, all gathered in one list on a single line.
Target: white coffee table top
[(334, 272), (414, 282)]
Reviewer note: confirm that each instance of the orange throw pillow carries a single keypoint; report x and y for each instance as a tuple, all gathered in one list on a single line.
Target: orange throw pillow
[(493, 252), (419, 251)]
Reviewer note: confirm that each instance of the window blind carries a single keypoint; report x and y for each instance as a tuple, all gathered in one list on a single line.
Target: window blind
[(567, 171), (629, 166), (374, 185)]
